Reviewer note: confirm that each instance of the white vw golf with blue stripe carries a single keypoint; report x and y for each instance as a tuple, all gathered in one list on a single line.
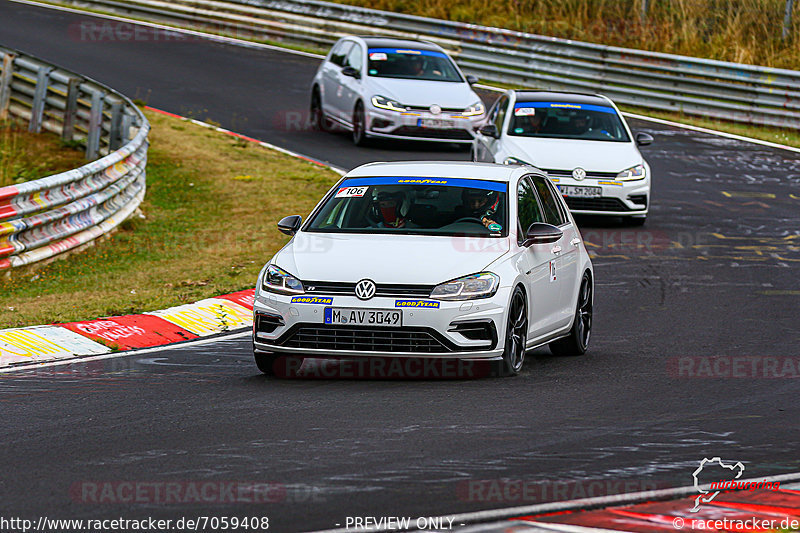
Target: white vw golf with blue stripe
[(428, 260), (581, 141)]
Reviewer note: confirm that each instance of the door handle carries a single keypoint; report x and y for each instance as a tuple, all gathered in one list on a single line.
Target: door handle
[(575, 242), (556, 250)]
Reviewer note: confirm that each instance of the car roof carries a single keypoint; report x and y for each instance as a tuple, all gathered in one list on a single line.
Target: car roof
[(441, 169), (557, 96), (390, 42)]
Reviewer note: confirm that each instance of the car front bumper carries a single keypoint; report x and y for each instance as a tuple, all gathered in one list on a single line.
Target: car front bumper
[(286, 328), (407, 125), (618, 198)]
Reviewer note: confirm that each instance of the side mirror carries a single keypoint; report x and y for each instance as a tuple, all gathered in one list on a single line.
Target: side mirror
[(472, 80), (490, 130), (289, 225), (541, 233), (643, 139), (350, 71)]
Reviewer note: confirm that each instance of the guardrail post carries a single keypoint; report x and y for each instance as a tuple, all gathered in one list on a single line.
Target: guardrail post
[(127, 123), (39, 97), (95, 125), (115, 130), (5, 84), (787, 20), (71, 110)]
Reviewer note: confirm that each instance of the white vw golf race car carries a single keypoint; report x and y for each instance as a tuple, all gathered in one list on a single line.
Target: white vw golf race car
[(581, 141), (465, 261), (378, 87)]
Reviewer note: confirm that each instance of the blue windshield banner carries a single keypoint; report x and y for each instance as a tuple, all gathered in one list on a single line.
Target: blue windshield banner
[(406, 51), (445, 182), (566, 105)]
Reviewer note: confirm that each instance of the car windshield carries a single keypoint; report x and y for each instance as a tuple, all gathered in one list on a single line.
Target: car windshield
[(563, 120), (411, 64), (415, 206)]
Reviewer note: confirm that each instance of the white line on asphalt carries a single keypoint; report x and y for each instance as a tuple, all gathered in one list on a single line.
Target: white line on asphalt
[(78, 360)]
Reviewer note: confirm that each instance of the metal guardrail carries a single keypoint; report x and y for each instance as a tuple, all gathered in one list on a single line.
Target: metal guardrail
[(43, 218), (716, 89)]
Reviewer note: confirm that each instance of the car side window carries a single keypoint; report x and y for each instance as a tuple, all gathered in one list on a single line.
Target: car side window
[(502, 105), (561, 206), (340, 52), (552, 213), (355, 58), (528, 210)]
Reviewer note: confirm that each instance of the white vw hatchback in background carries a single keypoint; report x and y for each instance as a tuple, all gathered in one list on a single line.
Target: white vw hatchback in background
[(428, 260), (580, 140), (398, 88)]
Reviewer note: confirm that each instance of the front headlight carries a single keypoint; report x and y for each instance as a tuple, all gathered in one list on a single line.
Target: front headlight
[(516, 161), (474, 110), (277, 279), (385, 103), (481, 285), (632, 174)]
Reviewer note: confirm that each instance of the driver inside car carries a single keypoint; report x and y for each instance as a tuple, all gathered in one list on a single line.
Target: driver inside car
[(482, 205), (390, 209)]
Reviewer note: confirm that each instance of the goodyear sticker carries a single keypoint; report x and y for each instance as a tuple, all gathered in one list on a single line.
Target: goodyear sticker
[(326, 300), (417, 303)]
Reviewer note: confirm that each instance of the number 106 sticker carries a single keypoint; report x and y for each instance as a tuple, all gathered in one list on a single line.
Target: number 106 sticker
[(351, 192)]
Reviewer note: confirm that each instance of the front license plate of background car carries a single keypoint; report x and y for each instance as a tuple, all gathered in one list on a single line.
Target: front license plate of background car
[(581, 192), (363, 317), (435, 123)]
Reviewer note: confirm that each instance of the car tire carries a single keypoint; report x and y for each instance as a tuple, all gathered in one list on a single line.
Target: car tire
[(577, 341), (318, 119), (634, 221), (265, 362), (516, 334), (359, 125)]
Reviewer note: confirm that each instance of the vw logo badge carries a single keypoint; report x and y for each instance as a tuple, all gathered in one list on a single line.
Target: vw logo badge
[(365, 289), (436, 109), (579, 174)]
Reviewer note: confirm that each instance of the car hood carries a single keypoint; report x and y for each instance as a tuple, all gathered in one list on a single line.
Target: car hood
[(400, 259), (419, 93), (567, 154)]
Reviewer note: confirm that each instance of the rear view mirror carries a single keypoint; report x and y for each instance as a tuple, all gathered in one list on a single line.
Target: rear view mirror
[(643, 139), (541, 233), (472, 80), (289, 225)]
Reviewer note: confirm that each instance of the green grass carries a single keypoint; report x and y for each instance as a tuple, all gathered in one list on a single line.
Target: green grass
[(26, 156), (209, 226)]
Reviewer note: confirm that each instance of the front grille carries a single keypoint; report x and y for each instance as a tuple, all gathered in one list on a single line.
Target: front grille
[(590, 174), (433, 133), (427, 109), (595, 204), (364, 339), (382, 289)]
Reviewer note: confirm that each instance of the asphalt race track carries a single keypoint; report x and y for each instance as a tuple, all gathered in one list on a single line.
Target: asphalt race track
[(713, 273)]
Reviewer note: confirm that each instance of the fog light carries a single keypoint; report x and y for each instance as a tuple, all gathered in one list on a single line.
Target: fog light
[(379, 123)]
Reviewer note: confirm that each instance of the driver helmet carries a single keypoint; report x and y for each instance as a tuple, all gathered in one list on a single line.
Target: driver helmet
[(392, 208), (481, 203)]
